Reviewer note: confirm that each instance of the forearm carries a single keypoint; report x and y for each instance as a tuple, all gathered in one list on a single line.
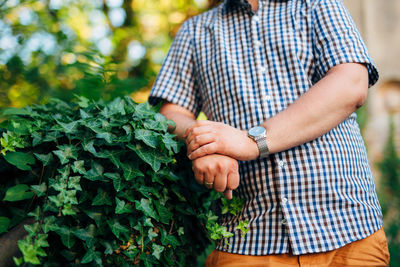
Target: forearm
[(181, 116), (320, 109)]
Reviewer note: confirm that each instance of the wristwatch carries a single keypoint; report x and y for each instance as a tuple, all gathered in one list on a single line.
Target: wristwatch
[(259, 135)]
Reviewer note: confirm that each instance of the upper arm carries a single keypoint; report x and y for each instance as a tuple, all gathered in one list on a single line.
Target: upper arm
[(169, 108), (336, 40), (177, 80)]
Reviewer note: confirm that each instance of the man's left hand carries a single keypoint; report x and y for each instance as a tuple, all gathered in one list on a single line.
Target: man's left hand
[(210, 137)]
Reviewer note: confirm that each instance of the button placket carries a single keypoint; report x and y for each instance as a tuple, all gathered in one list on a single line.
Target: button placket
[(260, 67)]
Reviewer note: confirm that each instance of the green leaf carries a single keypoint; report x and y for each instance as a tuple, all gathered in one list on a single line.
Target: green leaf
[(44, 158), (95, 173), (170, 143), (87, 234), (146, 206), (117, 228), (18, 261), (20, 160), (18, 192), (95, 215), (147, 136), (101, 198), (36, 213), (151, 234), (51, 136), (29, 251), (157, 250), (148, 260), (49, 224), (164, 213), (41, 240), (83, 102), (151, 156), (68, 209), (74, 183), (15, 111), (66, 234), (87, 145), (167, 239), (4, 223), (118, 182), (58, 200), (40, 190), (91, 255), (112, 155), (243, 227), (36, 138), (69, 128), (66, 152), (78, 167), (122, 207), (143, 111), (106, 136), (117, 106), (131, 171)]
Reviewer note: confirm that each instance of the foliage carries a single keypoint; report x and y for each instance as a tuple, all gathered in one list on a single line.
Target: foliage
[(105, 185), (389, 196), (45, 45)]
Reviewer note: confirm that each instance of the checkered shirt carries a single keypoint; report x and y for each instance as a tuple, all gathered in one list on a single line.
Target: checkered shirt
[(241, 67)]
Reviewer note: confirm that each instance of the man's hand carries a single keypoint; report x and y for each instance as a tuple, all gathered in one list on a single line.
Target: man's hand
[(209, 137), (217, 171)]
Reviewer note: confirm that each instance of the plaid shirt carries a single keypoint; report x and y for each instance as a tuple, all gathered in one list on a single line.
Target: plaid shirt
[(241, 68)]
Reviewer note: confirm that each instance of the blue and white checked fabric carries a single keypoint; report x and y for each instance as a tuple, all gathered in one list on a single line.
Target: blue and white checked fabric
[(241, 68)]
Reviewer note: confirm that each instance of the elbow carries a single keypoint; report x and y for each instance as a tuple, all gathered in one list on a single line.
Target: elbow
[(360, 86), (354, 77)]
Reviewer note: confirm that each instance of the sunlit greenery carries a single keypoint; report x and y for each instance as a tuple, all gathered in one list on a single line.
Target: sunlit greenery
[(47, 46), (103, 49)]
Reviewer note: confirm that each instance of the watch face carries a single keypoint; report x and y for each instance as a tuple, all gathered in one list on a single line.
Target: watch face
[(256, 131)]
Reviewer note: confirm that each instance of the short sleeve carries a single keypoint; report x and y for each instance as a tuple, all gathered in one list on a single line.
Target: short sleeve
[(176, 81), (337, 40)]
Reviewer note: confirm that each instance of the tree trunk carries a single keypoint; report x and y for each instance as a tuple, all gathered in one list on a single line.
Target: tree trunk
[(8, 243)]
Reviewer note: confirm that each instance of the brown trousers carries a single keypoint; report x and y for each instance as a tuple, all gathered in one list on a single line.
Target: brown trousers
[(370, 251)]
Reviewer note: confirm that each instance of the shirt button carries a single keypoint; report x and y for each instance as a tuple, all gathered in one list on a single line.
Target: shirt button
[(284, 200), (281, 163), (284, 221), (263, 69), (256, 18), (268, 98)]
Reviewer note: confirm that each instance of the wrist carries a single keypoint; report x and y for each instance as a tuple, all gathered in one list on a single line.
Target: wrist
[(251, 147), (259, 135)]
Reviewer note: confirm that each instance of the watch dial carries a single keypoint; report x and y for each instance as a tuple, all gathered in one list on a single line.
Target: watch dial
[(256, 131)]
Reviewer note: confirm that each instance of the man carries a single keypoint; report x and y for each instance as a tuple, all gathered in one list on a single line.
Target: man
[(279, 82)]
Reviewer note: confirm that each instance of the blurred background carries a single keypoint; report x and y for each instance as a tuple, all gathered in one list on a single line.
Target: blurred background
[(109, 48)]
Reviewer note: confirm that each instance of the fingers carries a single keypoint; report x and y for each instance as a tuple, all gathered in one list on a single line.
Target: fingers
[(220, 180), (228, 194), (204, 150), (199, 177), (233, 180), (198, 141), (217, 172), (209, 181), (197, 132), (195, 125)]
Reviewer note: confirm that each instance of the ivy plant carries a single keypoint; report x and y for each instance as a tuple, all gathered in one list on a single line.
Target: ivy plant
[(106, 184)]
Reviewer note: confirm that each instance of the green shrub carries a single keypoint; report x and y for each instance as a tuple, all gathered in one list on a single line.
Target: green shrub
[(105, 185), (389, 195)]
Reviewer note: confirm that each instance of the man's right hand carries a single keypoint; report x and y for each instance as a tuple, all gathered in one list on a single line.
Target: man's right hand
[(218, 172)]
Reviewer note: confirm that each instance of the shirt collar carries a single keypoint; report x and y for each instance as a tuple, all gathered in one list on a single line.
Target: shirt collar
[(245, 4)]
